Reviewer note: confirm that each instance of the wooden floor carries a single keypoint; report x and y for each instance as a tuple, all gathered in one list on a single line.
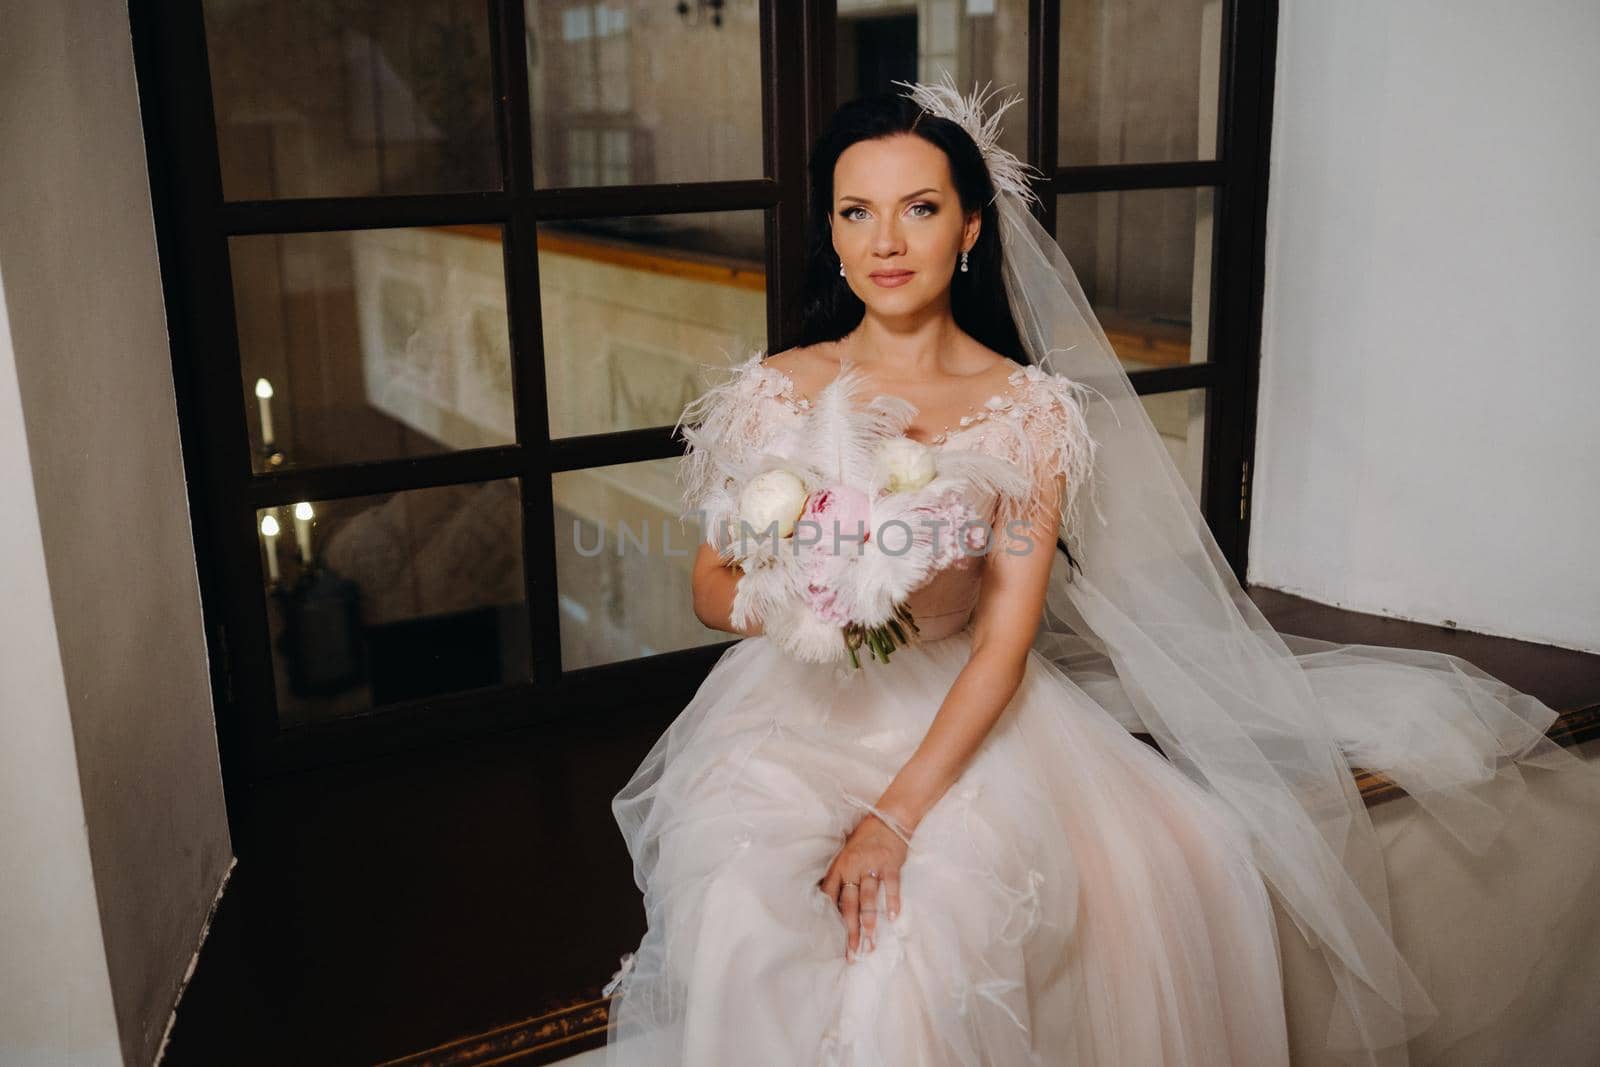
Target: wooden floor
[(387, 910)]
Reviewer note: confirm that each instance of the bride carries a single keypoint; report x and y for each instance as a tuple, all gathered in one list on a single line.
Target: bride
[(958, 853)]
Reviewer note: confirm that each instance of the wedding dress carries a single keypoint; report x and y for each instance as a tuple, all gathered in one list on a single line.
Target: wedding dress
[(1072, 898)]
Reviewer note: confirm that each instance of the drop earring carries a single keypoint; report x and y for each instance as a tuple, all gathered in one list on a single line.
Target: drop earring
[(963, 260), (841, 268)]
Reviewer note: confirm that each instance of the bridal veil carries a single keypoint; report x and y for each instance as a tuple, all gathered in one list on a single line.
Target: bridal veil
[(1157, 628)]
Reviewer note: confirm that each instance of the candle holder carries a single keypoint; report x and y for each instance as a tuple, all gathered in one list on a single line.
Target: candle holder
[(322, 646)]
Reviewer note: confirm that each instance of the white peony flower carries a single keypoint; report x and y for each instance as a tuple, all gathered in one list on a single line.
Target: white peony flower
[(775, 496), (908, 464)]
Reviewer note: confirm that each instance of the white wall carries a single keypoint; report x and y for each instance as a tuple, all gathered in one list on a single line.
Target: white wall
[(1429, 428), (119, 647), (55, 992)]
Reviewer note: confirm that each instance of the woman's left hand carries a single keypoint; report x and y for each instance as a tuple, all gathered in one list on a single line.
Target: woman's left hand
[(872, 854)]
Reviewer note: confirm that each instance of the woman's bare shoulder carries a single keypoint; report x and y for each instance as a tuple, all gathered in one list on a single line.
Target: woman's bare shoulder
[(989, 371), (808, 366), (983, 372)]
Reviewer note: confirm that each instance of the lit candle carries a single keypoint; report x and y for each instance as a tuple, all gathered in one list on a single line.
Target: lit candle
[(264, 396), (269, 534), (302, 529)]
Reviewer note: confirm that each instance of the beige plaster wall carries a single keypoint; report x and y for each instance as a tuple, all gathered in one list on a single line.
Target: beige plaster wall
[(94, 377)]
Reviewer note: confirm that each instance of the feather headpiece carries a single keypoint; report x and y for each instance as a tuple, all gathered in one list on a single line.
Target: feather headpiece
[(943, 99)]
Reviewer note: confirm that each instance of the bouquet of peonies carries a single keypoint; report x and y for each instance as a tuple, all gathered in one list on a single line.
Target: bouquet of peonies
[(837, 521)]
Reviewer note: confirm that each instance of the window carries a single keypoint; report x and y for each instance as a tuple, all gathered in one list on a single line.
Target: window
[(444, 273)]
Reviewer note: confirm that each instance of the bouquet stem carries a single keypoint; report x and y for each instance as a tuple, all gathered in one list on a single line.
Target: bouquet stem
[(881, 640)]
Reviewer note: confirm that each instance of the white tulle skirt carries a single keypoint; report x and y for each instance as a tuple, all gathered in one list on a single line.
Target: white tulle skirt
[(1072, 899)]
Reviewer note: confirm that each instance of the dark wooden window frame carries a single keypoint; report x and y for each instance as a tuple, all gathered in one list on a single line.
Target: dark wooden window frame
[(194, 223)]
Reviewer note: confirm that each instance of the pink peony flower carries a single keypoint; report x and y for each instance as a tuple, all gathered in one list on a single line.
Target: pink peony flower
[(844, 516), (843, 524), (824, 600)]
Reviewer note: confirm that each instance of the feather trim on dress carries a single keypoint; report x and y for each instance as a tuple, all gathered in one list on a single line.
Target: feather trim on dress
[(728, 430), (1048, 436)]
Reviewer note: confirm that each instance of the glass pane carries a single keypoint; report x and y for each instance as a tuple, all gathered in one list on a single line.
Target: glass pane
[(408, 595), (1139, 81), (1180, 418), (354, 98), (1144, 258), (372, 344), (624, 564), (632, 307), (629, 93), (976, 41)]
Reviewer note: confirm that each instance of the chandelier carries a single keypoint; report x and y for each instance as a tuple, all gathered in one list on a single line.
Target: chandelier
[(701, 11)]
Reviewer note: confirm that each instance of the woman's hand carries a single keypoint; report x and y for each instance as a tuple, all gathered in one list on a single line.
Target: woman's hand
[(872, 854), (715, 582)]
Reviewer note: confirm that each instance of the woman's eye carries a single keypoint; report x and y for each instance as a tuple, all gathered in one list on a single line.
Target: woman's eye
[(921, 209)]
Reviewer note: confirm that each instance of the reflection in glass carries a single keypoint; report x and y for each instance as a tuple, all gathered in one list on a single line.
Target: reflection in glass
[(1180, 418), (1144, 258), (406, 595), (633, 307), (976, 41), (624, 564), (630, 93), (372, 344), (351, 97), (1139, 81)]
